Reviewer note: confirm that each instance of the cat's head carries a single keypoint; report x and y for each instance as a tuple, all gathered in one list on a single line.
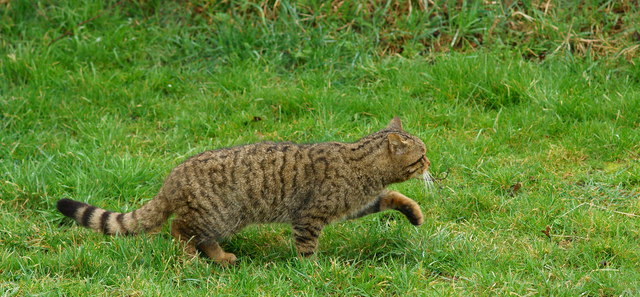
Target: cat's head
[(405, 152)]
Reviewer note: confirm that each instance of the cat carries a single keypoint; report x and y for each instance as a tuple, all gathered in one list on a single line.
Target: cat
[(216, 193)]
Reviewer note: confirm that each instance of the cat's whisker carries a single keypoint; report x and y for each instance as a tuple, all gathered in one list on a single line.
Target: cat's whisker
[(427, 180)]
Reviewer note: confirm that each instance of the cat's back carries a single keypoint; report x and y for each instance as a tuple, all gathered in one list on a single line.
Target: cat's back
[(255, 156), (234, 164), (264, 180), (265, 169)]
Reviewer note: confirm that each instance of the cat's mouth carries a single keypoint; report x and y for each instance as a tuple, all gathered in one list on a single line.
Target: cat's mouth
[(417, 168), (423, 174)]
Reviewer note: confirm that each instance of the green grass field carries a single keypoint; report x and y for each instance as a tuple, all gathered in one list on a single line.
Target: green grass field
[(530, 113)]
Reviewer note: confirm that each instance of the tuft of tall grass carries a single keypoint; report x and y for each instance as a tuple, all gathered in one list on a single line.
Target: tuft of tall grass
[(319, 33)]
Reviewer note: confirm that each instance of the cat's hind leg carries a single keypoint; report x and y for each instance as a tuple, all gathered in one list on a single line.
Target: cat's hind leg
[(213, 250), (179, 232), (195, 239), (392, 200)]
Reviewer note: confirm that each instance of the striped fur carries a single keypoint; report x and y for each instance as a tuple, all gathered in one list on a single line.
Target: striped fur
[(147, 218), (216, 193)]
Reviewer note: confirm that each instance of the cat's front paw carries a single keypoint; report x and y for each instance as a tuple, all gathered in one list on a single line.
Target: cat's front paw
[(403, 204), (413, 213)]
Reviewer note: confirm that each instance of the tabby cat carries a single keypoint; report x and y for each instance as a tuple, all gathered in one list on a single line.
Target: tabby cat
[(216, 193)]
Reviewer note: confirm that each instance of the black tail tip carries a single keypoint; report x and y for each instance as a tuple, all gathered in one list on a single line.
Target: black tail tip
[(68, 207)]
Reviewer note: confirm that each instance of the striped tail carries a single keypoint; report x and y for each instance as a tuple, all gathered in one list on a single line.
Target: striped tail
[(149, 217)]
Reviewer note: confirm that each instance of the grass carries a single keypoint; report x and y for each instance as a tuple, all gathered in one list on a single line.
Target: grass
[(534, 132)]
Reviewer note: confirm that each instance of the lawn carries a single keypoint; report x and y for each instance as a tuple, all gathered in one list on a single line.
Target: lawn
[(530, 113)]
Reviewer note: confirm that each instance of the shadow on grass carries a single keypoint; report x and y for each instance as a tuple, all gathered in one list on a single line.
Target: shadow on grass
[(265, 244)]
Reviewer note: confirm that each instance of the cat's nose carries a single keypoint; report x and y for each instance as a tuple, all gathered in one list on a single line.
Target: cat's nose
[(427, 162)]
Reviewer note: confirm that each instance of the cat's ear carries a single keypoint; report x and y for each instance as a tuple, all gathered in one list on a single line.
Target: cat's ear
[(396, 144), (395, 124)]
